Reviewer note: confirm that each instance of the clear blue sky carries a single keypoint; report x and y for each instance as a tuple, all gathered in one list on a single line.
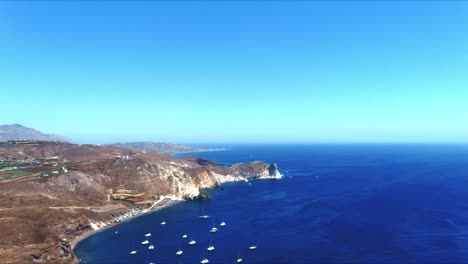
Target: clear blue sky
[(236, 71)]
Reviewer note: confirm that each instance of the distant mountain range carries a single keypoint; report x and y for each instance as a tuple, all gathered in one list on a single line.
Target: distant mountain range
[(158, 147), (19, 132)]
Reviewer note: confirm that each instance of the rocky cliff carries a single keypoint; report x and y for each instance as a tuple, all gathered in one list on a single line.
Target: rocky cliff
[(52, 192)]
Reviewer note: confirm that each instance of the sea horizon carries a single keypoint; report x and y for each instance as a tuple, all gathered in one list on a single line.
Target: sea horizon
[(320, 182)]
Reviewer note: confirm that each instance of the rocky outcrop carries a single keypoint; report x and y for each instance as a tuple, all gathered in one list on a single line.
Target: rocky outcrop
[(273, 172), (203, 195), (60, 191)]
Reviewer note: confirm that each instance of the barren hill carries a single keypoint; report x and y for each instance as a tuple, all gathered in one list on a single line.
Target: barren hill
[(19, 132)]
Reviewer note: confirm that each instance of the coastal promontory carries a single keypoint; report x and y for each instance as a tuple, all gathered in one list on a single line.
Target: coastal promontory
[(52, 193)]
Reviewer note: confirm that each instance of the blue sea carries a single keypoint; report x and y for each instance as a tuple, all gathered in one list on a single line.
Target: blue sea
[(349, 203)]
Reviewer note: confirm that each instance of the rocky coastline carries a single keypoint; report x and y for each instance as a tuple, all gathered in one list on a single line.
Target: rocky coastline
[(56, 194)]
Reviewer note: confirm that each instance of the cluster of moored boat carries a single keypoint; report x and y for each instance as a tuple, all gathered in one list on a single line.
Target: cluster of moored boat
[(192, 242)]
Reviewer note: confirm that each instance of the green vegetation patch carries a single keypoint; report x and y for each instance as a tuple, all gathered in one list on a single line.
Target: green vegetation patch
[(11, 173), (9, 164)]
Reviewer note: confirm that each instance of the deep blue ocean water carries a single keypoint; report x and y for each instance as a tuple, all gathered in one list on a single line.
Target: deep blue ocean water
[(337, 204)]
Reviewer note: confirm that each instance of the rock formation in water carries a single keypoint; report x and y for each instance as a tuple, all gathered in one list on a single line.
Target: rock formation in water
[(52, 192), (273, 171)]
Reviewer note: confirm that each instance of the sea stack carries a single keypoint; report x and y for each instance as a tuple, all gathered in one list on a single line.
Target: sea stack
[(273, 171)]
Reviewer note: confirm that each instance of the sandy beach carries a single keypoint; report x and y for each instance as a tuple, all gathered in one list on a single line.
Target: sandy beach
[(89, 232)]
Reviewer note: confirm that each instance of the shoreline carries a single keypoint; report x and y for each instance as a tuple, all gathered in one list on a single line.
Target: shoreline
[(80, 238), (90, 232)]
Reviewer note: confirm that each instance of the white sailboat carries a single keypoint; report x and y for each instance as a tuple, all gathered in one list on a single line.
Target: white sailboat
[(184, 236), (222, 224), (192, 242), (213, 229), (179, 252), (151, 247), (163, 223), (211, 247), (239, 259), (148, 235), (203, 215), (145, 242), (133, 252), (204, 261), (253, 247)]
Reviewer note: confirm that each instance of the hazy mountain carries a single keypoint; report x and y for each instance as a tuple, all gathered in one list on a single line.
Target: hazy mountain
[(19, 132), (158, 147)]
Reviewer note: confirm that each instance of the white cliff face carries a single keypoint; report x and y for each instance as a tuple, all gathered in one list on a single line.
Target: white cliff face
[(220, 179), (188, 189), (185, 180), (275, 175), (272, 173), (181, 183), (188, 186)]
